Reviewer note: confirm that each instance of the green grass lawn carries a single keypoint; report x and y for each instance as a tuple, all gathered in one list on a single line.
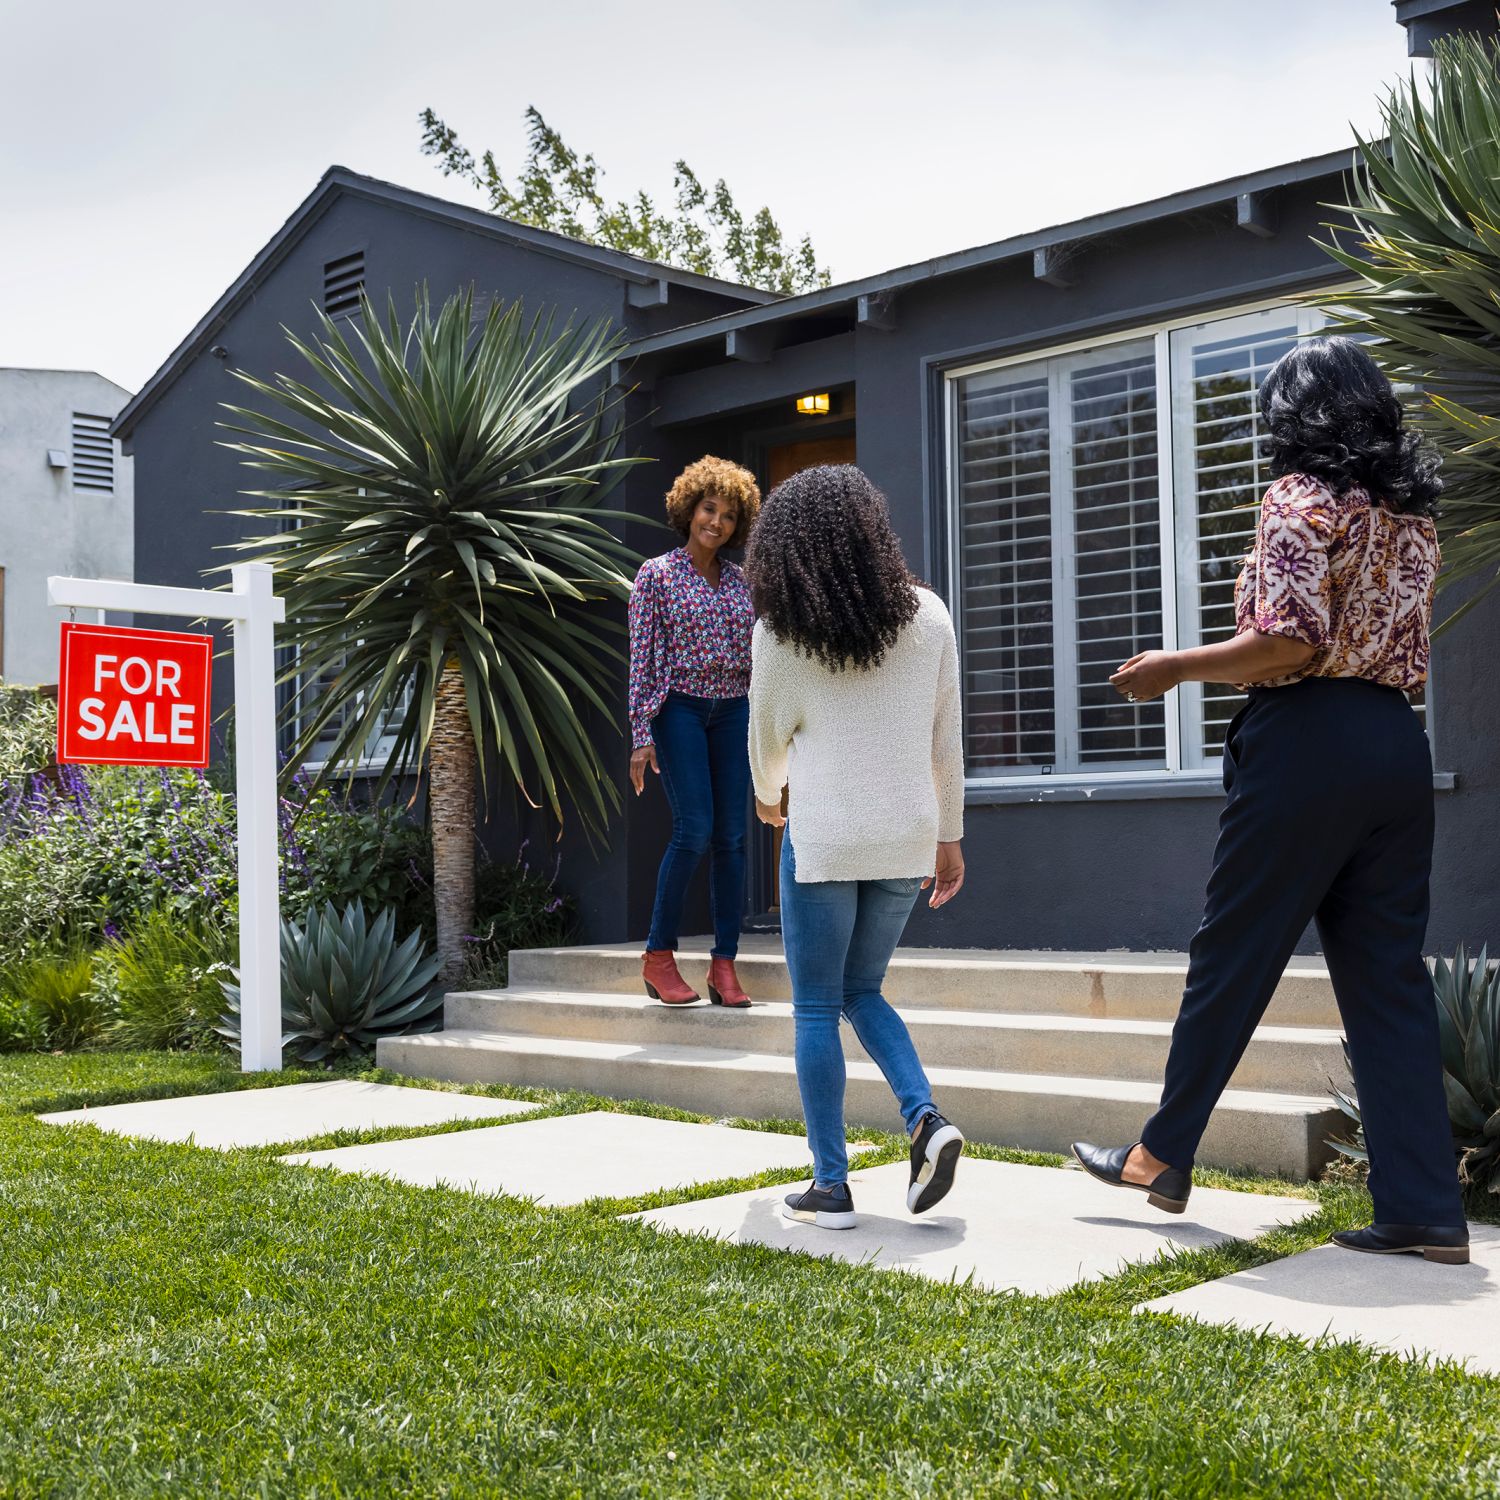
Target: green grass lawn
[(180, 1321)]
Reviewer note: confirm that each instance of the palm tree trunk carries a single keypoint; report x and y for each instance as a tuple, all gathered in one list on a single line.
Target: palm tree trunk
[(450, 795)]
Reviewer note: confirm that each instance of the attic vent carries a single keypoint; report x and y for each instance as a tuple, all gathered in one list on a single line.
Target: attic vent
[(93, 454), (343, 281)]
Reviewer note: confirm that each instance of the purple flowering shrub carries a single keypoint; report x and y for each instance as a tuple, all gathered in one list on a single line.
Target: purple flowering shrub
[(91, 851)]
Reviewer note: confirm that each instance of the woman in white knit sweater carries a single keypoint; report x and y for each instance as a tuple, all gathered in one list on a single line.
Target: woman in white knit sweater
[(854, 707)]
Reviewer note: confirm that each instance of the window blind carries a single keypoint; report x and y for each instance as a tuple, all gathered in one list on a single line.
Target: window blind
[(1004, 519)]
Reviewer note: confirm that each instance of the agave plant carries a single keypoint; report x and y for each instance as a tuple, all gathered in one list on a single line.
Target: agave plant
[(1426, 206), (438, 535), (1468, 1008), (345, 983)]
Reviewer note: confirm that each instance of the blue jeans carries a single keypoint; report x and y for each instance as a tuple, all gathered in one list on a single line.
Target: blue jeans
[(839, 937), (702, 752)]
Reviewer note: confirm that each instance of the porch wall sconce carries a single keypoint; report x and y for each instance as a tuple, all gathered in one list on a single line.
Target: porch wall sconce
[(813, 406)]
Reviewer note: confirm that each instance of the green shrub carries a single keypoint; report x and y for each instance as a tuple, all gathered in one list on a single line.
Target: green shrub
[(58, 992), (346, 982), (166, 977), (375, 855), (89, 851), (20, 1026), (518, 908), (1467, 995), (28, 734)]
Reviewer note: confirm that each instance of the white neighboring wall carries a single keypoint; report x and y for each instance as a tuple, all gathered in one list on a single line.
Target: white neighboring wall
[(77, 519)]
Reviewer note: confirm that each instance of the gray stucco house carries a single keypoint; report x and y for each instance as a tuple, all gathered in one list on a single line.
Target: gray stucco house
[(1064, 424), (66, 505)]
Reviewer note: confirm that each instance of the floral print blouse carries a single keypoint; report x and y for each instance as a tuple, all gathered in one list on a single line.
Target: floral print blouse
[(686, 636), (1343, 575)]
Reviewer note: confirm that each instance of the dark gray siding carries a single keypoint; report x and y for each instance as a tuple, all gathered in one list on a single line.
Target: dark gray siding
[(186, 480), (1111, 871)]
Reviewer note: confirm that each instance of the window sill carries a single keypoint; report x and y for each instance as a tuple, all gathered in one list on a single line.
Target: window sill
[(1136, 789), (364, 768)]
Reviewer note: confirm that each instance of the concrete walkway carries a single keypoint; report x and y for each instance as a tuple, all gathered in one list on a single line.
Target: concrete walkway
[(291, 1112), (1009, 1227), (1396, 1302), (1036, 1230), (571, 1158)]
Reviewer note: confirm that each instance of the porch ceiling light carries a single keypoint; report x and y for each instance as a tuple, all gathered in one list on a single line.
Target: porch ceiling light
[(813, 406)]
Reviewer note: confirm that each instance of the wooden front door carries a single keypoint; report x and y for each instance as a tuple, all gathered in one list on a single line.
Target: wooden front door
[(790, 458), (782, 463)]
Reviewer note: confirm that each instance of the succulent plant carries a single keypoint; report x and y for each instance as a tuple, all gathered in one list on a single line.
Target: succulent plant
[(1468, 999), (345, 982), (1467, 995)]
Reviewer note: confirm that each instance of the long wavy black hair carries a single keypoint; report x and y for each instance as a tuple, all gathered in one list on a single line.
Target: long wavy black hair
[(826, 571), (1332, 414)]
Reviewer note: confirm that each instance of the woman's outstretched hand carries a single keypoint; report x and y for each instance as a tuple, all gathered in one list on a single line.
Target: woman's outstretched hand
[(1148, 675), (949, 880), (770, 812), (639, 760)]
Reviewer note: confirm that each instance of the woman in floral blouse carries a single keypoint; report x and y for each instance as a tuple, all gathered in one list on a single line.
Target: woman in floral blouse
[(1330, 811), (690, 624)]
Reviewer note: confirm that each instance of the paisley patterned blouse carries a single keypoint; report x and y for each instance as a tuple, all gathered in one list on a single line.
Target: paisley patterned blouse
[(686, 636), (1345, 576)]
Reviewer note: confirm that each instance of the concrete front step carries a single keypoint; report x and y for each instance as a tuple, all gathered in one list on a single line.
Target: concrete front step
[(1280, 1059), (1125, 986), (1265, 1132)]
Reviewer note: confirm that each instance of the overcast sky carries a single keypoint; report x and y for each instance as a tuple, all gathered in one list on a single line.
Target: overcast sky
[(148, 151)]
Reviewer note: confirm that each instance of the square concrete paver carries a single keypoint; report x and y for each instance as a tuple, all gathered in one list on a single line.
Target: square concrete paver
[(1396, 1302), (1010, 1227), (572, 1158), (291, 1112)]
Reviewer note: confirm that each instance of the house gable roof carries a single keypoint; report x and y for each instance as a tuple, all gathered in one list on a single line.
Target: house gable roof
[(339, 182)]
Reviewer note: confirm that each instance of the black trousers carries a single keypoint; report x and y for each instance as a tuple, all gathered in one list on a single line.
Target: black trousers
[(1330, 818)]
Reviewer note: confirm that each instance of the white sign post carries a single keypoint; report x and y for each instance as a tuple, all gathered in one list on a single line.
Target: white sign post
[(255, 611)]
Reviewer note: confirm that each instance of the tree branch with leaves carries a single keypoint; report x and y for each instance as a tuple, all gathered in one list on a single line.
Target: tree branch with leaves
[(560, 190)]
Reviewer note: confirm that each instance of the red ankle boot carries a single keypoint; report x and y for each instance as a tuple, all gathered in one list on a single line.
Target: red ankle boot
[(662, 981), (724, 985)]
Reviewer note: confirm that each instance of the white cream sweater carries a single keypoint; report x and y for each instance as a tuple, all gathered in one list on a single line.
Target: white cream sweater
[(873, 758)]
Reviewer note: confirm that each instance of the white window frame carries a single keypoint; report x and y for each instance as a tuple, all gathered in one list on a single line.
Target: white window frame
[(1182, 707)]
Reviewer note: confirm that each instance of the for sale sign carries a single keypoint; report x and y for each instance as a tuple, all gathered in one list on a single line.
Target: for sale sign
[(132, 697)]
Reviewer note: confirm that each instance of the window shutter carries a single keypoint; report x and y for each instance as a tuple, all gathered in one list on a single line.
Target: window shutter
[(1221, 472), (93, 454), (343, 281), (1004, 520), (1116, 523)]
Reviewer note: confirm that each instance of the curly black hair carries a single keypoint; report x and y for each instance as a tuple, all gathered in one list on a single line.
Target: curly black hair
[(1332, 414), (826, 572)]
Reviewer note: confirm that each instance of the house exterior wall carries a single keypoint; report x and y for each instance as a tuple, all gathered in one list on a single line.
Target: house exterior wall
[(189, 481), (47, 526), (1098, 867), (1112, 865)]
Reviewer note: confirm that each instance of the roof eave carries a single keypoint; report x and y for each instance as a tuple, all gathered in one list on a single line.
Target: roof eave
[(829, 298)]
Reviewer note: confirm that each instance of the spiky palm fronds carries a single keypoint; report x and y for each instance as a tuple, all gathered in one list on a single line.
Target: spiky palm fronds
[(1426, 205)]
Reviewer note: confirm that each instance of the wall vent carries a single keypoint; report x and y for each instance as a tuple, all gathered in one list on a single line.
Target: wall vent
[(343, 281), (93, 454)]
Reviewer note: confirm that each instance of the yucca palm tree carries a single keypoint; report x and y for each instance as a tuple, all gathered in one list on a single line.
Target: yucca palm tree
[(437, 532), (1426, 203)]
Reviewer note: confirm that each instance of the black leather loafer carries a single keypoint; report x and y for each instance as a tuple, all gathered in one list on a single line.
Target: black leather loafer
[(1448, 1244), (1168, 1192)]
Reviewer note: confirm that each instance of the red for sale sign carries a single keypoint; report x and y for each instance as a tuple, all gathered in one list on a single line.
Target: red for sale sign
[(132, 697)]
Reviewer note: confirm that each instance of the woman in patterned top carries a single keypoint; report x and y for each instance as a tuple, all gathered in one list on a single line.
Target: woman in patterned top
[(1330, 810), (690, 624)]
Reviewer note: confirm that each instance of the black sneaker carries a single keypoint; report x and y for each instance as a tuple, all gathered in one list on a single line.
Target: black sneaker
[(935, 1149), (828, 1208)]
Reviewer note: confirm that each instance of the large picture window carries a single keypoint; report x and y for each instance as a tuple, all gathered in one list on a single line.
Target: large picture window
[(1101, 501)]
